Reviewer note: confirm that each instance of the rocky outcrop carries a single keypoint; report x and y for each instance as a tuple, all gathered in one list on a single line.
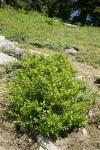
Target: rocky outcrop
[(4, 58), (9, 51), (9, 47)]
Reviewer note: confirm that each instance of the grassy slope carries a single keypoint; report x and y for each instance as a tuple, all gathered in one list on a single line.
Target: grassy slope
[(36, 30)]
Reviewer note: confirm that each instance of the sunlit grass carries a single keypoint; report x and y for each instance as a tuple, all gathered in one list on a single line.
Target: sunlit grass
[(35, 30)]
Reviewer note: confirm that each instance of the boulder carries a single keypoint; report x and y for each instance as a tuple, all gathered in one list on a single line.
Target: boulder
[(9, 47), (45, 144), (4, 59), (6, 44)]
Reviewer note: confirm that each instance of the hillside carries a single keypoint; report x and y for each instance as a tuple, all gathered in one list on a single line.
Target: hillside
[(35, 30), (40, 34)]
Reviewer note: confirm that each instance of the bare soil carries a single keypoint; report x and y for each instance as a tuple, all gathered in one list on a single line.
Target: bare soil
[(76, 140), (12, 139)]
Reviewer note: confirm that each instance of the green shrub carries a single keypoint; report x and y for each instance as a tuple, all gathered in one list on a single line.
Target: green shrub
[(46, 97)]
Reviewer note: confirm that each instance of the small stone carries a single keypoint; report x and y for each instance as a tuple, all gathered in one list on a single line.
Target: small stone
[(70, 51), (15, 122), (45, 144), (2, 38), (30, 141), (90, 113), (83, 131)]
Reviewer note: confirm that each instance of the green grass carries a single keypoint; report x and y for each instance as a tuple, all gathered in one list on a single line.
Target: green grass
[(35, 30)]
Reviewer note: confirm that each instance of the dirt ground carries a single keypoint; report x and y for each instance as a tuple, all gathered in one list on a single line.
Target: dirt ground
[(12, 139)]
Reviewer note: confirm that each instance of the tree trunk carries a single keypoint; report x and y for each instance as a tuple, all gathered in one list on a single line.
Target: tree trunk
[(2, 3)]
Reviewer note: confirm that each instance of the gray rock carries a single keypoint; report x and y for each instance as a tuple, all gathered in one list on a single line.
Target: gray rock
[(19, 50), (6, 44), (2, 38), (83, 131), (79, 78), (9, 47), (4, 59), (90, 113), (35, 52), (70, 51), (30, 141), (45, 144), (70, 25)]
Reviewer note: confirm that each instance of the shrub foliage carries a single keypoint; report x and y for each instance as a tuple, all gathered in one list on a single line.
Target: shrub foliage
[(46, 97)]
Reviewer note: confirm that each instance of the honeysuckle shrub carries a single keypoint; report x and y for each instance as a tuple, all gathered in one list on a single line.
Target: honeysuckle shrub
[(46, 97)]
